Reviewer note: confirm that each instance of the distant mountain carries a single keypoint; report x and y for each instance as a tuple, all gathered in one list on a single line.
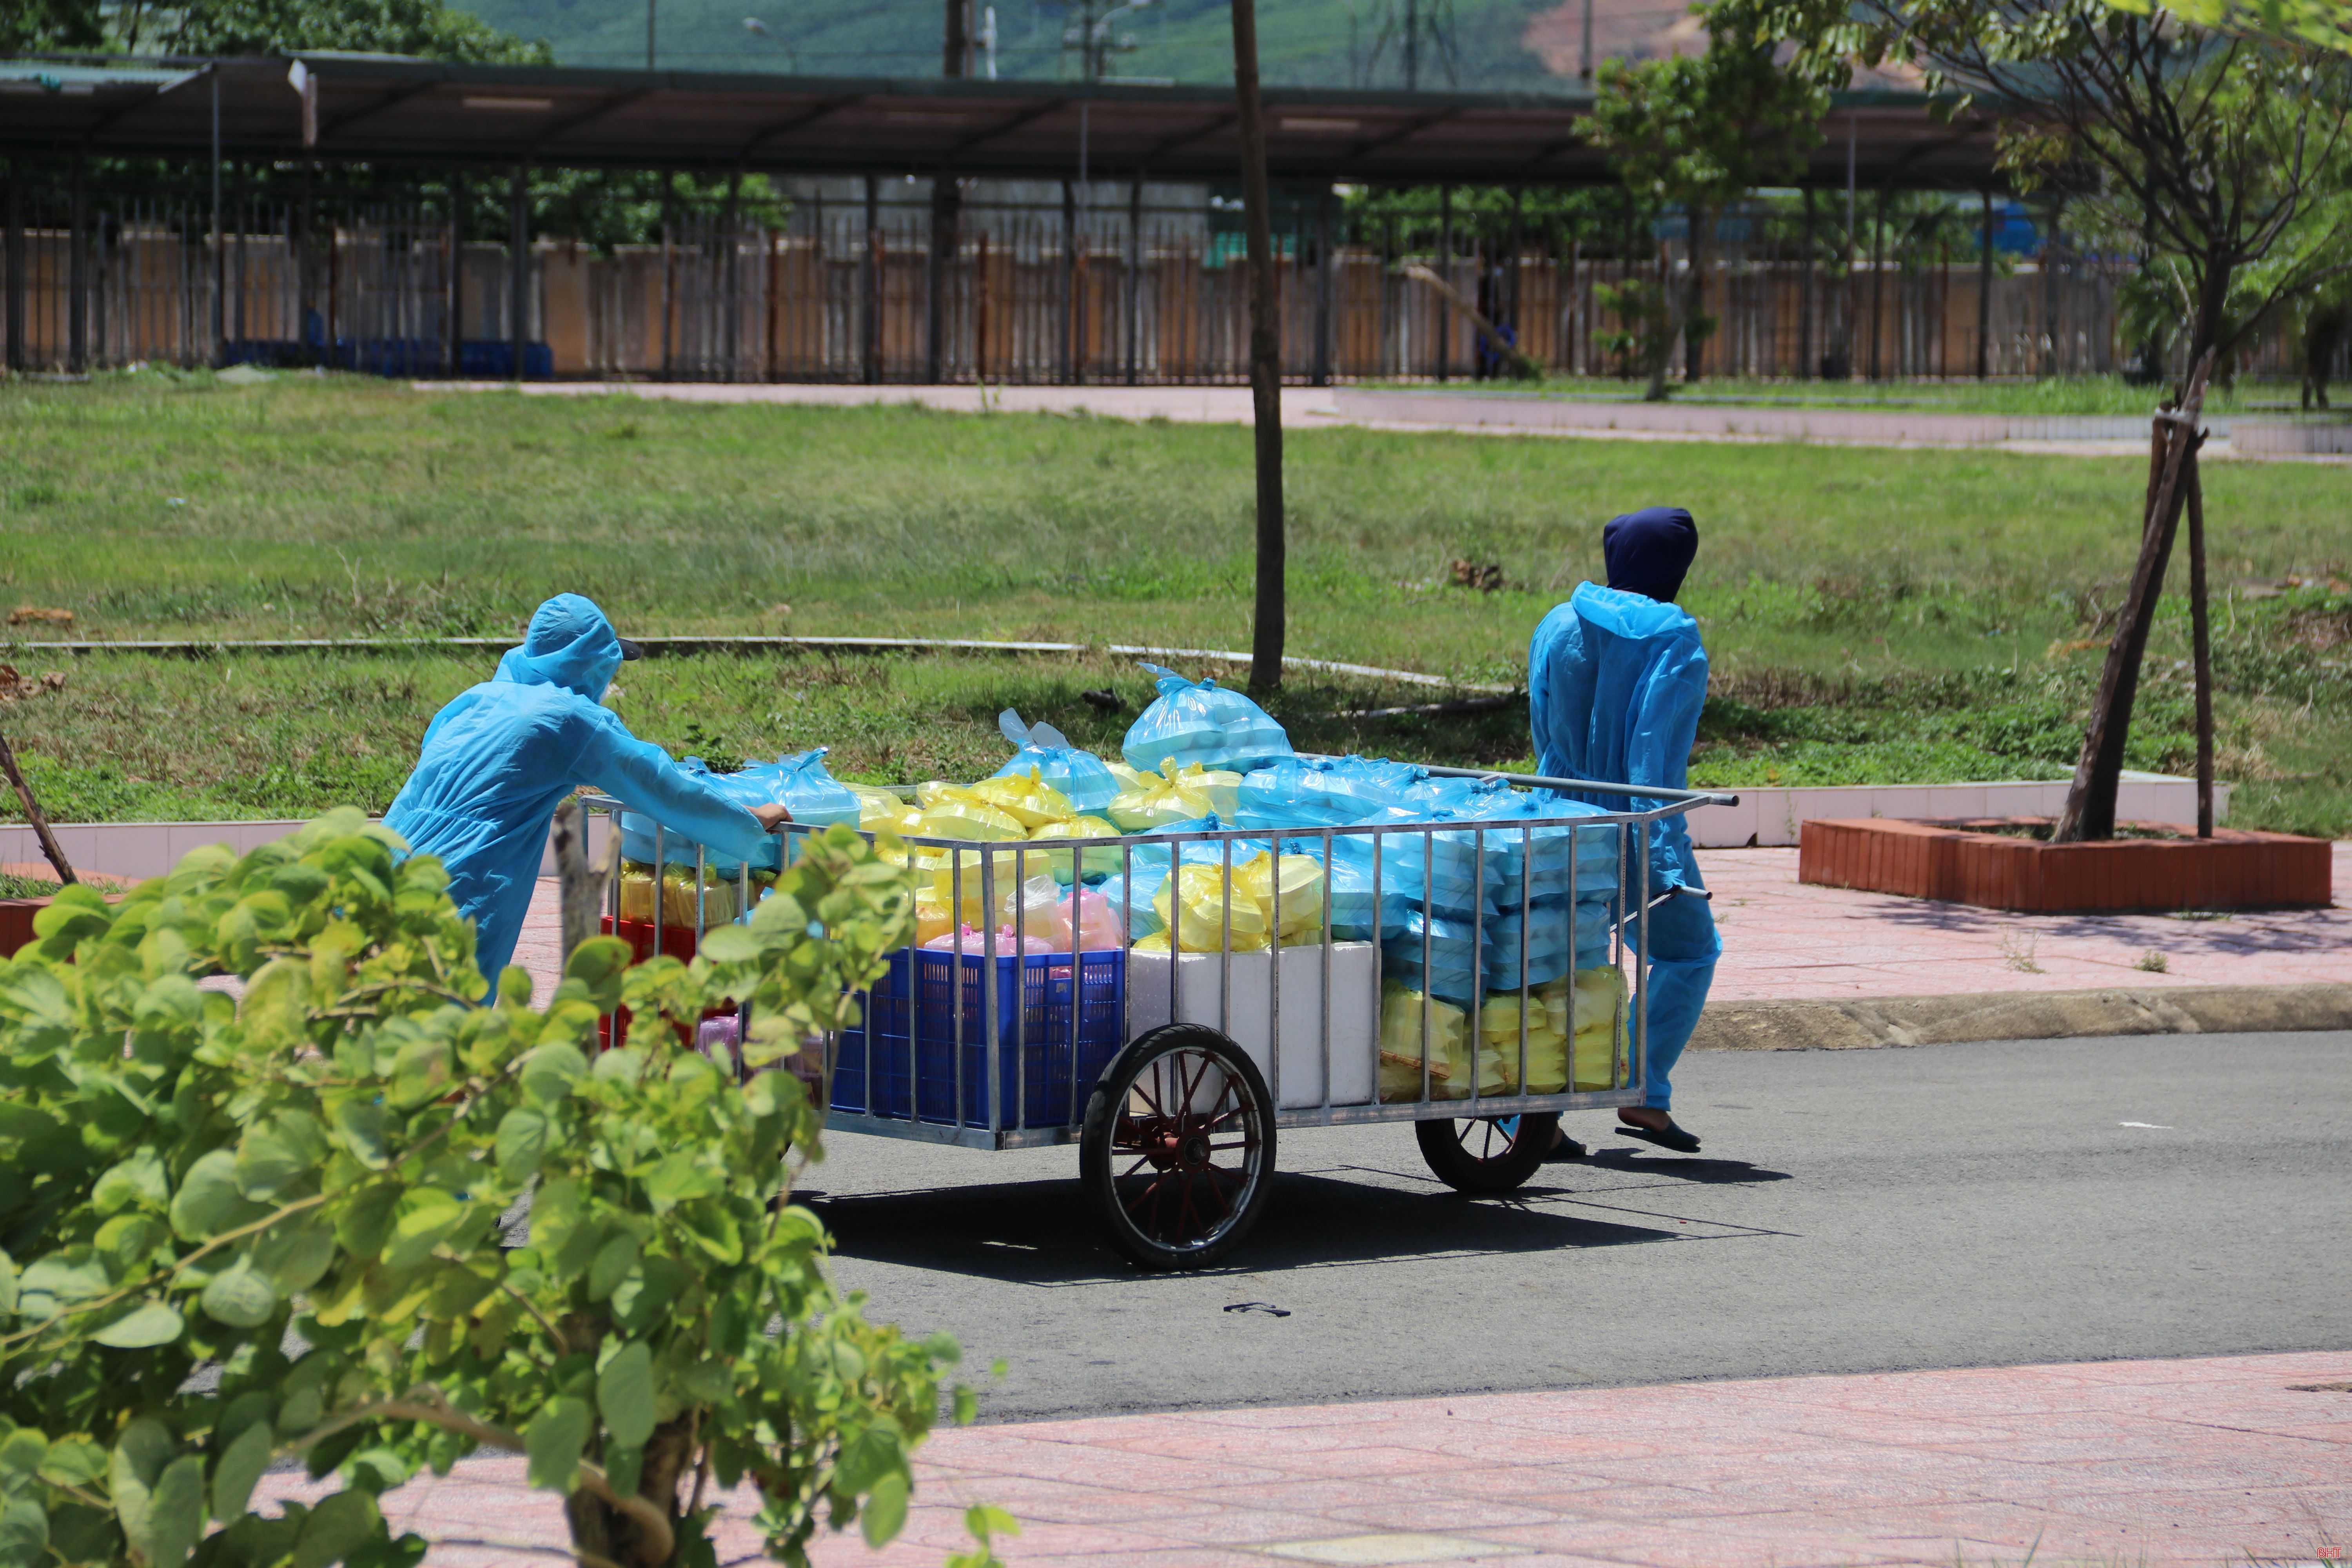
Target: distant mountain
[(1496, 45)]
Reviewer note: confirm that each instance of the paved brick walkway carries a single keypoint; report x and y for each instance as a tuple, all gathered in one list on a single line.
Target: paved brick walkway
[(2140, 1463), (1783, 939)]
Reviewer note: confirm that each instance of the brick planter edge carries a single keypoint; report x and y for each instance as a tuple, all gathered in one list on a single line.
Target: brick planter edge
[(1958, 863)]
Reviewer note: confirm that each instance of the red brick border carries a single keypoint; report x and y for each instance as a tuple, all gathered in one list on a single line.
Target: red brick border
[(1953, 861)]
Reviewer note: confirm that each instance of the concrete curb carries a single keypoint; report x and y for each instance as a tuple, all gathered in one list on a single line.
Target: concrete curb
[(1869, 1023)]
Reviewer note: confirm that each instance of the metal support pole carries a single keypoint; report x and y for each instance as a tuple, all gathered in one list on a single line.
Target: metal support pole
[(945, 200), (1269, 610), (2202, 641), (78, 271), (1069, 278), (518, 268), (1445, 271), (1984, 297), (1846, 368), (1805, 362), (1323, 290), (1584, 56), (1134, 280), (873, 323), (220, 247), (16, 308)]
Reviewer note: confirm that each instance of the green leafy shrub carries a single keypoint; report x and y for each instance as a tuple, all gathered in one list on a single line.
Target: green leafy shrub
[(185, 1177)]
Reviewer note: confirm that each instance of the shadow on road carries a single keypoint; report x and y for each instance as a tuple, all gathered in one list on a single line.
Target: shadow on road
[(1679, 1168), (1042, 1232)]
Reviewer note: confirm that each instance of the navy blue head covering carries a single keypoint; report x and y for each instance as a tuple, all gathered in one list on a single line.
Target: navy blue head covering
[(1649, 550)]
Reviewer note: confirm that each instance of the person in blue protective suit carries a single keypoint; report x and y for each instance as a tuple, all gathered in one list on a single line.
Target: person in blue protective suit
[(502, 755), (1616, 677)]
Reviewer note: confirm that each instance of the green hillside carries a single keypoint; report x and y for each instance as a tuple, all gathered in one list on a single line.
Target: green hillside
[(1319, 43)]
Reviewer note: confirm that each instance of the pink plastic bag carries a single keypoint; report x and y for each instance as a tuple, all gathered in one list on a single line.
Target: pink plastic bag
[(1098, 927), (1007, 942)]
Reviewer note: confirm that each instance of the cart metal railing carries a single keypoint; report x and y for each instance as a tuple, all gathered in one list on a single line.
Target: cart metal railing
[(1035, 1067)]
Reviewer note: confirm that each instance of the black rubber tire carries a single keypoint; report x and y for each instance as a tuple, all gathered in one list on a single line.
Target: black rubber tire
[(1485, 1156), (1162, 1197)]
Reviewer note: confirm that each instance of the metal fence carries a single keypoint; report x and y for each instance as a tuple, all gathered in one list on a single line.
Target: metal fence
[(1025, 295)]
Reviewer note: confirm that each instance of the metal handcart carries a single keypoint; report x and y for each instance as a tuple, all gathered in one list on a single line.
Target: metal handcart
[(1429, 990)]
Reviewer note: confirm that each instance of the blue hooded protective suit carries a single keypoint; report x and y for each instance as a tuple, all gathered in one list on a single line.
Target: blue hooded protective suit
[(502, 755), (1615, 681)]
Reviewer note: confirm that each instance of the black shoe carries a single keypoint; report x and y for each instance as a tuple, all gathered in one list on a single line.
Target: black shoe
[(1669, 1137), (1567, 1151)]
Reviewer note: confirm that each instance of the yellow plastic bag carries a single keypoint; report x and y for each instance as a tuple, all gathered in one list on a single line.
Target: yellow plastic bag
[(1201, 889), (1102, 860), (1600, 1057), (953, 813), (719, 901), (940, 869), (880, 810), (932, 917), (1302, 893), (1029, 801), (1127, 777), (1401, 1047), (1177, 794), (1498, 1043)]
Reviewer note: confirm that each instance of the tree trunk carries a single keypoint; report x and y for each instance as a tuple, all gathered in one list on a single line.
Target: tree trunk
[(1702, 221), (2090, 813), (1265, 363)]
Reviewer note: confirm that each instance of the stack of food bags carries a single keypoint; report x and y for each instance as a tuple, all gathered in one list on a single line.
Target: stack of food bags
[(1404, 1013), (1203, 723)]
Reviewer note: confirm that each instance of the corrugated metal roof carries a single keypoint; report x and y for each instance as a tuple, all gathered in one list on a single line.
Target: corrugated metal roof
[(393, 110)]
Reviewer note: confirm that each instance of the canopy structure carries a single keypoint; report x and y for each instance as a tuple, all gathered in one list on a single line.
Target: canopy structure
[(354, 108)]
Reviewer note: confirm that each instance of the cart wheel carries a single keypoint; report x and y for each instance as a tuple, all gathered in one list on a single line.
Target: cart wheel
[(1178, 1147), (1490, 1156)]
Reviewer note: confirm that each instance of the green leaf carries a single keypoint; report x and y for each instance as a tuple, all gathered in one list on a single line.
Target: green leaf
[(614, 1262), (240, 1298), (295, 1254), (365, 1222), (359, 1127), (24, 1533), (420, 1073), (522, 1142), (624, 1394), (680, 1177), (426, 1217), (240, 1469), (274, 1156), (208, 1197), (875, 1453), (555, 1441), (139, 1179), (339, 1526), (73, 1461), (175, 1513), (550, 1071), (886, 1511), (144, 1326), (61, 1280), (21, 1453), (599, 963), (8, 1286)]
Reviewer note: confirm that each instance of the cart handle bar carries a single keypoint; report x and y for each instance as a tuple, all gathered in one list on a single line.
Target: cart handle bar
[(1586, 787)]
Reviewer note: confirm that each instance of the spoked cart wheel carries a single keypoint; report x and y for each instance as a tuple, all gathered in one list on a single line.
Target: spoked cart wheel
[(1177, 1153), (1485, 1156)]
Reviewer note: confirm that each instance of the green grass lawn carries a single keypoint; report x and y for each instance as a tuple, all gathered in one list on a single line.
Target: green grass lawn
[(1871, 614)]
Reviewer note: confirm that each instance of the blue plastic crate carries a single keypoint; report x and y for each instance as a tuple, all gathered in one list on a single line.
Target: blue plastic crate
[(900, 1063)]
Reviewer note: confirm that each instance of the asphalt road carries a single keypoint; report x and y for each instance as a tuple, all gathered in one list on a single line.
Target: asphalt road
[(1854, 1211)]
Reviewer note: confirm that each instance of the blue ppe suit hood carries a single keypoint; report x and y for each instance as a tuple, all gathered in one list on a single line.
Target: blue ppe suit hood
[(1615, 683), (1650, 551), (502, 755)]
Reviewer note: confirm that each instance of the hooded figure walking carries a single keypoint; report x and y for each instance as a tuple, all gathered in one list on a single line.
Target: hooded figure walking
[(502, 755), (1616, 677)]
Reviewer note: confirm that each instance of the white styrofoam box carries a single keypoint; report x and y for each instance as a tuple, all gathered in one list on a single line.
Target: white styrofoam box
[(1200, 999)]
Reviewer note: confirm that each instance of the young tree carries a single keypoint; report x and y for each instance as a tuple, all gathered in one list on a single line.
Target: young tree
[(1700, 132), (2214, 137)]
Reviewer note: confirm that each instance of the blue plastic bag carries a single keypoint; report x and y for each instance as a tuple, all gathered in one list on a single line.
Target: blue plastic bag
[(747, 788), (811, 793), (1204, 723), (1081, 776), (1449, 970), (1300, 792)]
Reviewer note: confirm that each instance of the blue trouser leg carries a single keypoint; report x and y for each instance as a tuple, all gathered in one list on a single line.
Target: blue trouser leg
[(1683, 947)]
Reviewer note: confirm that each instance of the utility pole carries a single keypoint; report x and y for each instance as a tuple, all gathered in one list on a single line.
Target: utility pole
[(1584, 58), (1412, 45), (649, 35), (956, 56)]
